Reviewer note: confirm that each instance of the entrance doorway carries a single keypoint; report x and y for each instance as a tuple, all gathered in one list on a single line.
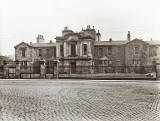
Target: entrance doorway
[(73, 67)]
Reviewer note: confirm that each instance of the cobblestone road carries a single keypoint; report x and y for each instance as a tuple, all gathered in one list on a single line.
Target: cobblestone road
[(71, 101)]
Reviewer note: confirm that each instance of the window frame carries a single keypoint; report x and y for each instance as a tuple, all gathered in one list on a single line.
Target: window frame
[(23, 52), (73, 49), (136, 49), (40, 52), (61, 50), (100, 51), (110, 50), (85, 49)]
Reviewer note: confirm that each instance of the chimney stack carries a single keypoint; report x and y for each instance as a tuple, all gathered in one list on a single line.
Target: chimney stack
[(98, 36), (128, 36), (40, 39), (50, 41), (110, 39), (88, 27)]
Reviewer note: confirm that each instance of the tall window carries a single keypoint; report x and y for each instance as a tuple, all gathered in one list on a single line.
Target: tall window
[(110, 50), (25, 63), (73, 50), (136, 49), (150, 52), (47, 51), (84, 49), (61, 51), (23, 52), (100, 62), (154, 51), (133, 62), (54, 52), (40, 52), (100, 52)]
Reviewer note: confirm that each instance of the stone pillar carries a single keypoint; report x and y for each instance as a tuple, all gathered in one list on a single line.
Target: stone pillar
[(18, 71), (43, 71), (58, 50), (5, 71), (65, 49), (66, 67), (158, 70), (92, 67), (91, 70)]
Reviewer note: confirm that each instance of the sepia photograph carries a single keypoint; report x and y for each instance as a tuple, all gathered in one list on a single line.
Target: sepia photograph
[(79, 60)]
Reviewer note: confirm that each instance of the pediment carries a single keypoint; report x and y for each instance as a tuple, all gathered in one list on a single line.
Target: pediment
[(137, 41), (23, 44), (72, 38)]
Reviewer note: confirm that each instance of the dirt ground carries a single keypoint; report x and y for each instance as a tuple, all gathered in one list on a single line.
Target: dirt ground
[(50, 100)]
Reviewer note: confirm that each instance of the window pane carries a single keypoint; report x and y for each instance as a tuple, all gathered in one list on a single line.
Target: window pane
[(23, 52), (61, 50), (40, 52), (101, 52), (136, 49), (109, 50), (84, 49), (73, 50)]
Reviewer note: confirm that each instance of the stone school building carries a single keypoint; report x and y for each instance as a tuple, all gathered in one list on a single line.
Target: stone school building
[(85, 52)]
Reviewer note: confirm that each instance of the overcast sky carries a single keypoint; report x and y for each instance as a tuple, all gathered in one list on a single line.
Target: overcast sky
[(22, 20)]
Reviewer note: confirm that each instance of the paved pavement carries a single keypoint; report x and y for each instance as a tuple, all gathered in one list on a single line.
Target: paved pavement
[(50, 100)]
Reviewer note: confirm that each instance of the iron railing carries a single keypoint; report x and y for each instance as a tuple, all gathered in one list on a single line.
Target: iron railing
[(51, 71)]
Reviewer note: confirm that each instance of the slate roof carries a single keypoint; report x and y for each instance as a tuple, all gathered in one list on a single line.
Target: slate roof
[(3, 58), (111, 42), (37, 44), (43, 44), (153, 42), (122, 42), (22, 43)]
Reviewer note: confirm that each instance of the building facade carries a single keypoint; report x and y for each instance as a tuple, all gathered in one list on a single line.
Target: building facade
[(84, 52)]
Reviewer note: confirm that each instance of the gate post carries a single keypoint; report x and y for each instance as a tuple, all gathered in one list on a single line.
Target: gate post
[(42, 70), (5, 71), (57, 68), (157, 71), (18, 70)]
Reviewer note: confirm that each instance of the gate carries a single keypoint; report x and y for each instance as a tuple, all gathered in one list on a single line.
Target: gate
[(12, 72), (50, 69), (1, 72)]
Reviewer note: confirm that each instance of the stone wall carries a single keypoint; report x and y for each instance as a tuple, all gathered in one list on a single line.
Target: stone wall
[(32, 54), (28, 53), (116, 57), (136, 53)]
